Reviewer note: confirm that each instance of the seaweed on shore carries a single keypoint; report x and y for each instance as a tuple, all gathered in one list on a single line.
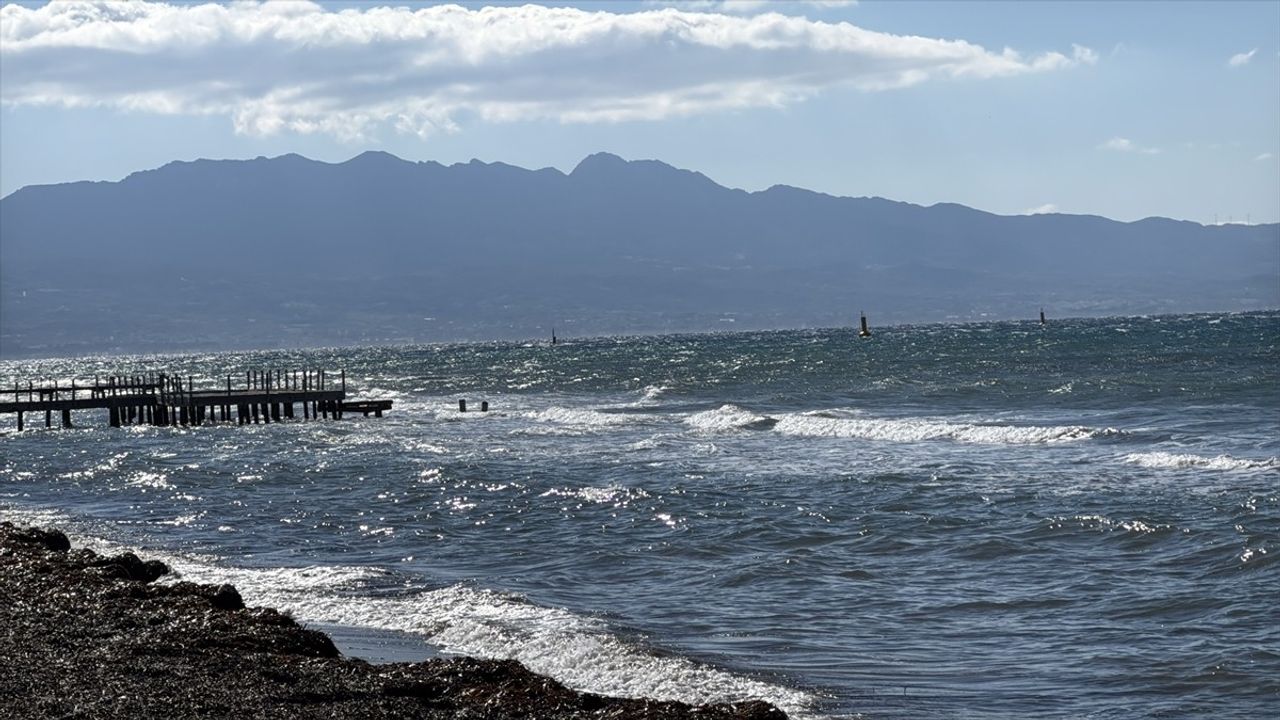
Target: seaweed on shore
[(89, 636)]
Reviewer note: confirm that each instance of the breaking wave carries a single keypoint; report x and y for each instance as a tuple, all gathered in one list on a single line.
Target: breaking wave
[(653, 393), (1179, 461), (728, 417), (580, 417), (825, 424), (578, 650)]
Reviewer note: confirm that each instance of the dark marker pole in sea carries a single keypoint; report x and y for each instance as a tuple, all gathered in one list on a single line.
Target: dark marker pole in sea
[(1042, 322)]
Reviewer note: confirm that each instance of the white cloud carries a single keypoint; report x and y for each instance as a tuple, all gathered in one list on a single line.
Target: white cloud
[(741, 6), (1264, 157), (1242, 58), (1084, 55), (1041, 210), (751, 6), (1120, 144), (295, 67)]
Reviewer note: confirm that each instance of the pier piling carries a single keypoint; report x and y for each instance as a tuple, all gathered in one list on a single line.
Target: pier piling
[(166, 399)]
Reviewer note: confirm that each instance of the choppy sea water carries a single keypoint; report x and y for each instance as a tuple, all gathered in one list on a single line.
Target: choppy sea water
[(976, 521)]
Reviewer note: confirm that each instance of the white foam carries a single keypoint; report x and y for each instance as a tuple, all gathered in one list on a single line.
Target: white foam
[(403, 400), (157, 480), (577, 650), (1179, 461), (725, 418), (824, 424), (581, 418), (580, 651), (653, 393), (281, 588)]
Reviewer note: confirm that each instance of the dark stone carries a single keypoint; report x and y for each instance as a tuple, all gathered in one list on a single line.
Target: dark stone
[(154, 569), (54, 540), (226, 597), (127, 566)]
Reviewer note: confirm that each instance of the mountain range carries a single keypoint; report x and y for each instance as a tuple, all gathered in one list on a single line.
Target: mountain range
[(287, 251)]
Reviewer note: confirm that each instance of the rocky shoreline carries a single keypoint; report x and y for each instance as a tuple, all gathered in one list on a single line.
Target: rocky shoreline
[(89, 636)]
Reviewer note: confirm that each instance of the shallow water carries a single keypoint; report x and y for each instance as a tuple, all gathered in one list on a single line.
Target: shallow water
[(968, 521)]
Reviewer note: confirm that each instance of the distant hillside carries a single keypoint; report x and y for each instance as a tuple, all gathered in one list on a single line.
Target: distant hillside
[(291, 251)]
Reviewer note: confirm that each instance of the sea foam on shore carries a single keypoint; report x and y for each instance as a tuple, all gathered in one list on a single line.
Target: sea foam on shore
[(94, 636)]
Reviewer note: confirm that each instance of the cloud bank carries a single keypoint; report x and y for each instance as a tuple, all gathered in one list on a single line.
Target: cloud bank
[(297, 67)]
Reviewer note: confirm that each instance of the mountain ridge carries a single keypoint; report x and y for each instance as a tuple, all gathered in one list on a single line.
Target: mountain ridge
[(496, 250), (291, 156)]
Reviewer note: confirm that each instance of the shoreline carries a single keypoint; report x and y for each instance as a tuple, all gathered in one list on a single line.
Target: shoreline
[(87, 635)]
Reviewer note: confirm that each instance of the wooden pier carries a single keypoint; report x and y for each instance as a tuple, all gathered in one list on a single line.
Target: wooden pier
[(169, 399)]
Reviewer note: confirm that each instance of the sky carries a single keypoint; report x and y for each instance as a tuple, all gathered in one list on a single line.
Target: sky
[(1125, 110)]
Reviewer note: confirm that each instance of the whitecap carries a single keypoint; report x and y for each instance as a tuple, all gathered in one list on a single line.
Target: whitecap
[(822, 424), (582, 418), (727, 417), (1179, 461), (653, 393)]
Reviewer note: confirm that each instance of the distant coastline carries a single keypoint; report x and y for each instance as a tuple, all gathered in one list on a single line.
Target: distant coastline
[(290, 252)]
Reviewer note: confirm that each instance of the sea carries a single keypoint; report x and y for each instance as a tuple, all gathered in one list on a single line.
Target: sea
[(991, 520)]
